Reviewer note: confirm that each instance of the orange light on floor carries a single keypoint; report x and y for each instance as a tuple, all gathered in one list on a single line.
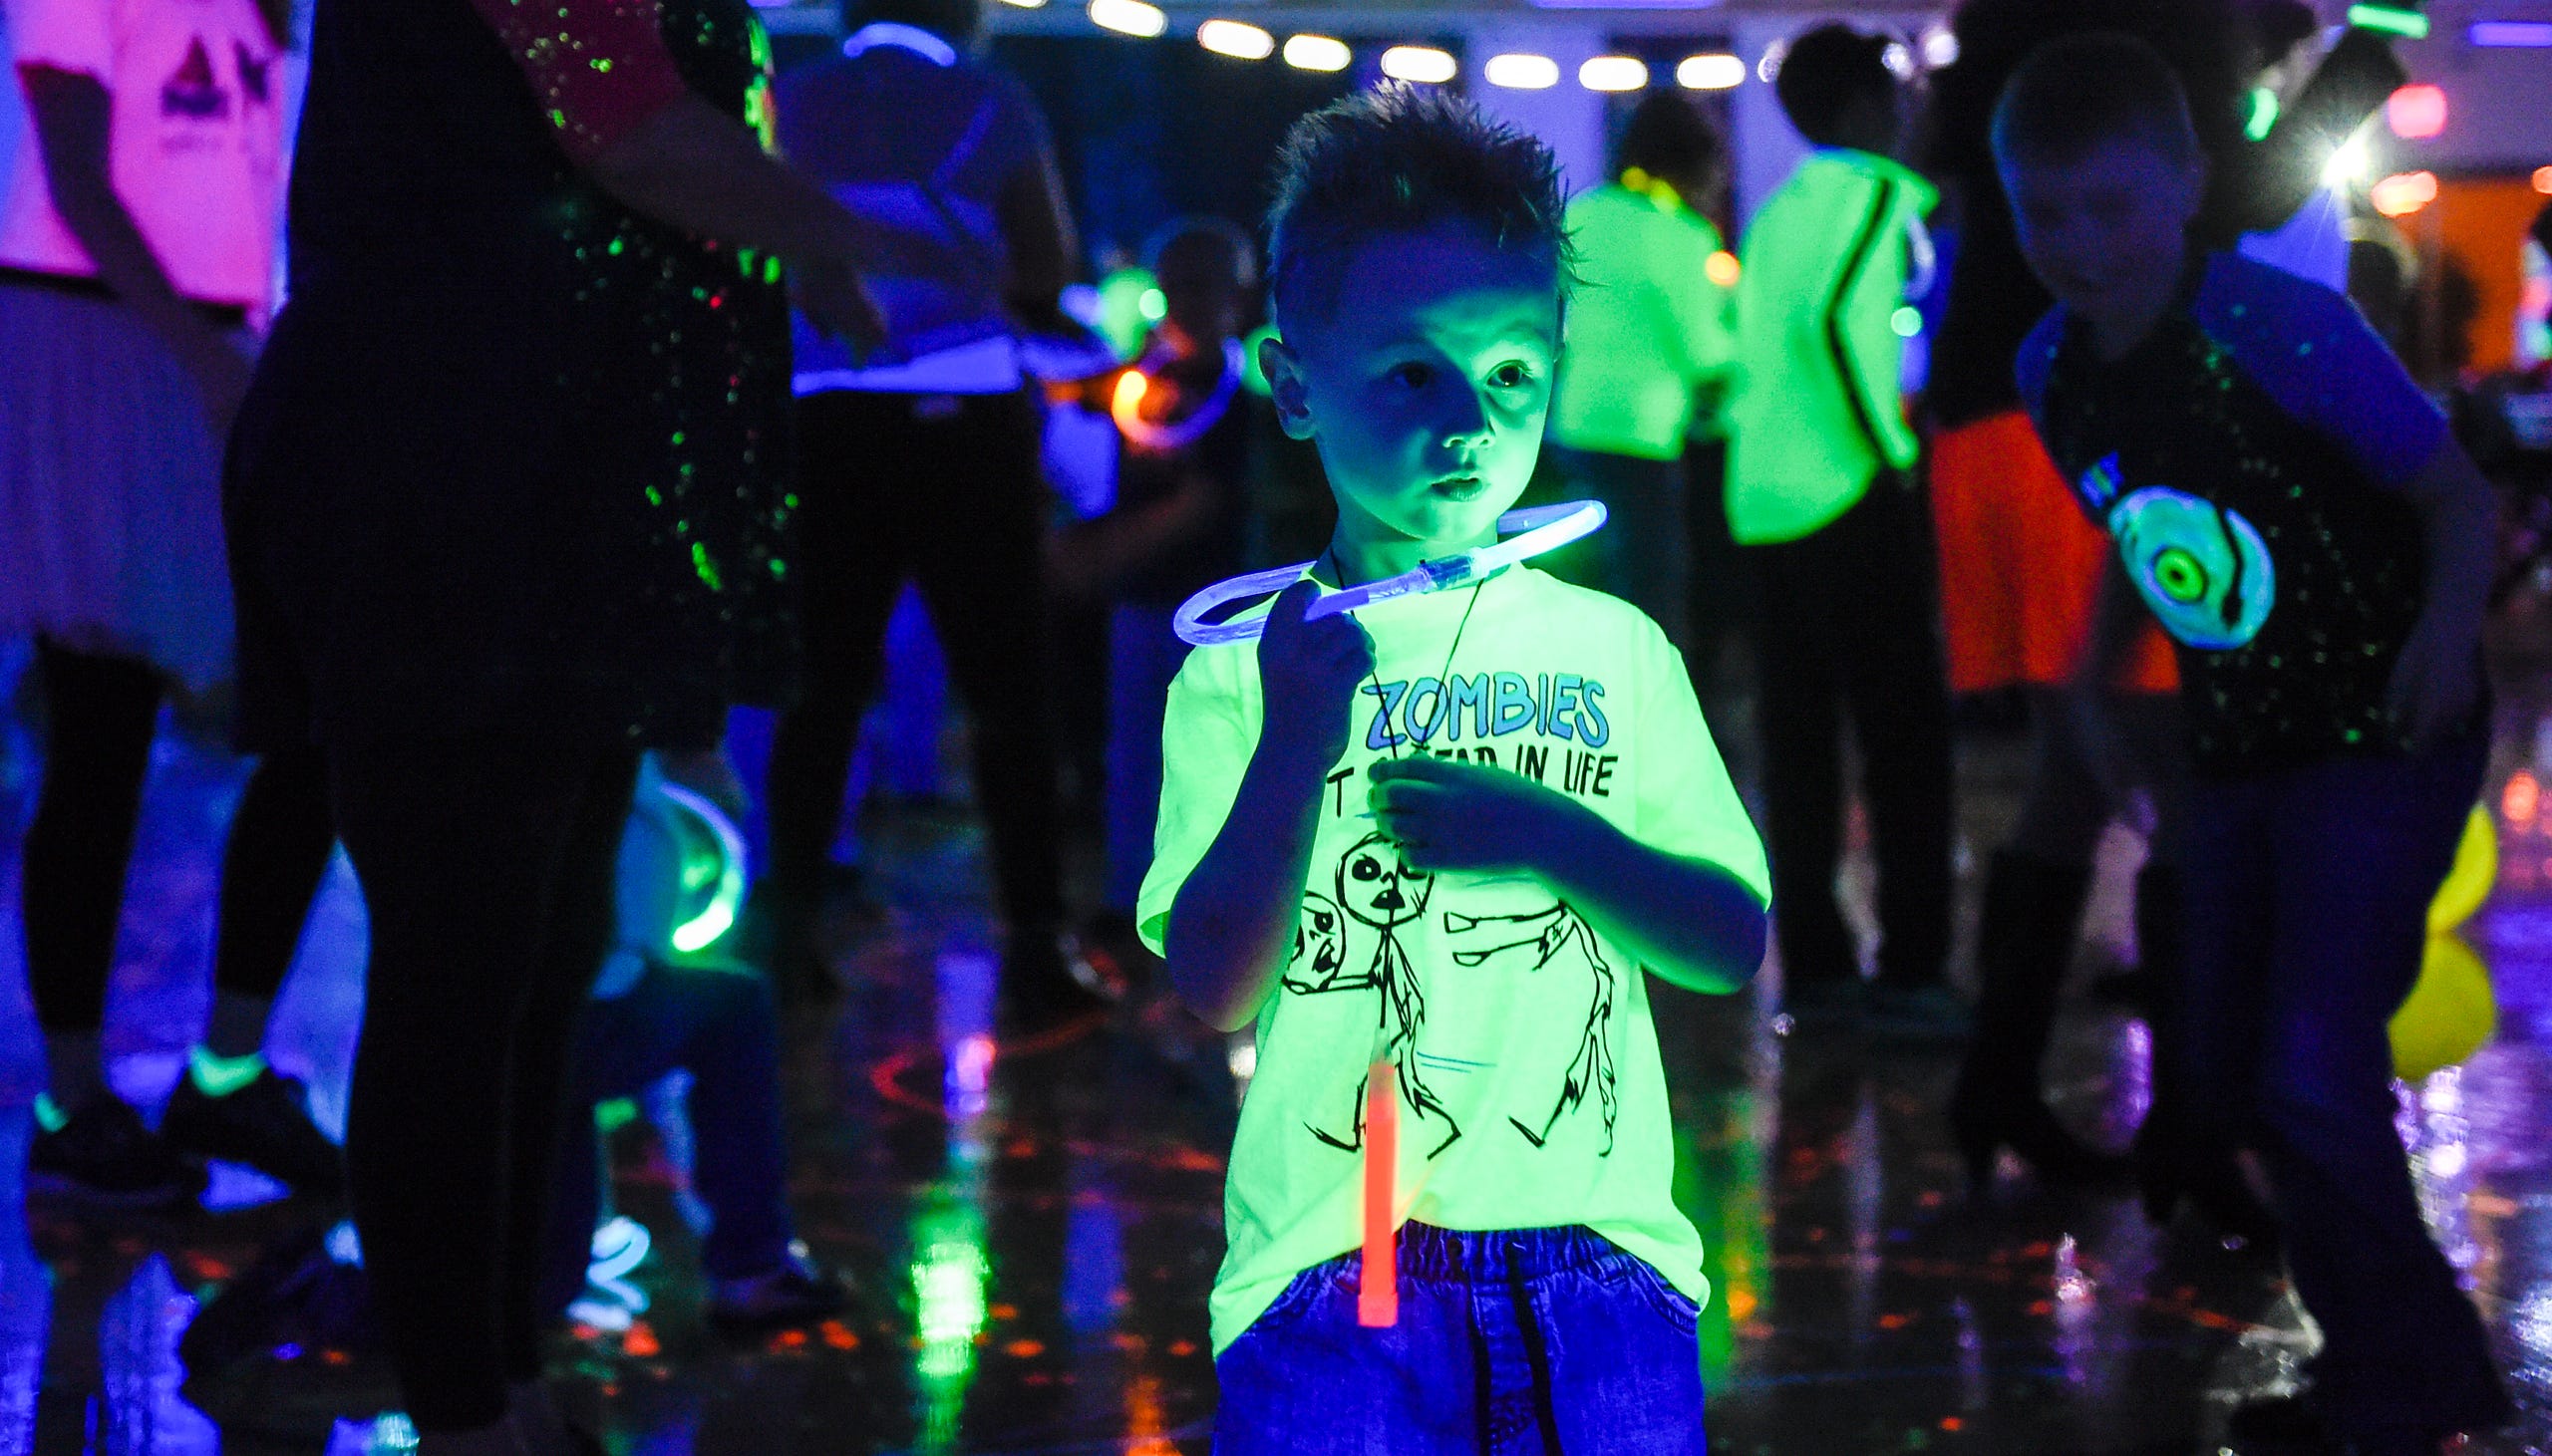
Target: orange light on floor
[(2404, 193), (1377, 1281), (1723, 269)]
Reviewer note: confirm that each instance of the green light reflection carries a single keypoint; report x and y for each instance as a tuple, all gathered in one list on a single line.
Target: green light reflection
[(950, 1276)]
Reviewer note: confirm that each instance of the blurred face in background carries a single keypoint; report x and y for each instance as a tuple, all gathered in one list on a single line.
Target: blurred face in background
[(2106, 231)]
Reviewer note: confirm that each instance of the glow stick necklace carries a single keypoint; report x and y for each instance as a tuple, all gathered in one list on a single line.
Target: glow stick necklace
[(1378, 1271), (1126, 407), (1536, 530)]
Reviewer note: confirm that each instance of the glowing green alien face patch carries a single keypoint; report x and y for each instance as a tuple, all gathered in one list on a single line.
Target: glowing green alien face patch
[(2202, 568)]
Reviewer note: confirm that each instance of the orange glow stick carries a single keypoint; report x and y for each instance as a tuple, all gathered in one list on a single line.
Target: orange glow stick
[(1378, 1283)]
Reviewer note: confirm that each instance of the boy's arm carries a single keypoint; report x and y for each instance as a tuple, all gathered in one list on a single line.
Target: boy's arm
[(2439, 675), (2117, 615), (1693, 923), (1231, 927)]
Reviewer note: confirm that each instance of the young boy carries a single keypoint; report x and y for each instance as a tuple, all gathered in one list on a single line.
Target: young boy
[(1445, 833), (2292, 510), (1819, 492)]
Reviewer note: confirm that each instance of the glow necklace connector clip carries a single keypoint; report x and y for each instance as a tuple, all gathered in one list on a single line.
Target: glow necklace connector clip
[(1529, 533)]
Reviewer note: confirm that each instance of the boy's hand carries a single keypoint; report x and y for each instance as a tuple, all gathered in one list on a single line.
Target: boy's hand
[(1450, 815), (2436, 679), (1312, 671)]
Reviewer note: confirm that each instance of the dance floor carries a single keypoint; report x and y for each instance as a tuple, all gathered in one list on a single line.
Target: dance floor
[(1033, 1232)]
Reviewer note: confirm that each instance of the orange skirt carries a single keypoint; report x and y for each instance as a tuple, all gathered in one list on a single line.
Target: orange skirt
[(2018, 565)]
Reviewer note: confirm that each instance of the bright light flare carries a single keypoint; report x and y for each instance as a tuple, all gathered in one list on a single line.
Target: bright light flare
[(1128, 17), (1237, 39), (1318, 53), (2416, 112), (1710, 72), (1423, 65), (1723, 269), (1521, 71), (2404, 193), (2349, 165), (1614, 73), (2543, 180)]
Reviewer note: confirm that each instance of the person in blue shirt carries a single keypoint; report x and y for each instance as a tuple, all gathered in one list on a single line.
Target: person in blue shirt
[(2293, 511)]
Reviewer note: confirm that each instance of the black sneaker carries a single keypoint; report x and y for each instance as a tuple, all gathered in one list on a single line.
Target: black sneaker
[(103, 1155), (1047, 984), (298, 1298), (265, 1124), (799, 1293)]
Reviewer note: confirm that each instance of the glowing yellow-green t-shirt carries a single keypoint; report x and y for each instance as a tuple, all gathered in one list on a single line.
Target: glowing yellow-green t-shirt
[(1817, 412), (1646, 325), (1533, 1095)]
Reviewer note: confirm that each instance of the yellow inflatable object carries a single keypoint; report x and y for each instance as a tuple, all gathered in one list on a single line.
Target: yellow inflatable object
[(2449, 1014), (2467, 885)]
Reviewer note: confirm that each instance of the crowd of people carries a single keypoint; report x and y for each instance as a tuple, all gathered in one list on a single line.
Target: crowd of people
[(622, 384)]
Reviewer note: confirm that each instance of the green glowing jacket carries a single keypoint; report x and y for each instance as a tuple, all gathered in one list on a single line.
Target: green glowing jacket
[(1818, 413), (1646, 325)]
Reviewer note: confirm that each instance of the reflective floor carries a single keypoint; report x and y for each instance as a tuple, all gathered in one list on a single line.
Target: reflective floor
[(1034, 1227)]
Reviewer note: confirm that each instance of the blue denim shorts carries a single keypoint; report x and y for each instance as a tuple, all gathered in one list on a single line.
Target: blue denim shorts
[(1515, 1342)]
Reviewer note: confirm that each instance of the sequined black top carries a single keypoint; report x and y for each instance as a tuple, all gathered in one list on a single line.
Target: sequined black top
[(2240, 458), (512, 452)]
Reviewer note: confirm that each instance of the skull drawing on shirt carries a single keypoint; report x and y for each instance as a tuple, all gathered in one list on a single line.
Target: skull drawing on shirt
[(1375, 888)]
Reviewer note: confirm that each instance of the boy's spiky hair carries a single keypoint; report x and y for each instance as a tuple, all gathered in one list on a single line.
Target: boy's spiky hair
[(1402, 158)]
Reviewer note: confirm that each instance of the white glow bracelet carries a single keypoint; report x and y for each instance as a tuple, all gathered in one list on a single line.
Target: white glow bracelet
[(1539, 529)]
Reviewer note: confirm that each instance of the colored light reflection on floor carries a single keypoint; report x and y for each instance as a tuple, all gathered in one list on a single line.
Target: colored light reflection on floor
[(1034, 1229), (950, 1270)]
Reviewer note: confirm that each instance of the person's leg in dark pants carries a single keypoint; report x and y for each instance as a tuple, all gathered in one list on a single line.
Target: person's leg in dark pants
[(282, 838), (2207, 930), (858, 475), (1898, 684), (487, 873), (232, 1105), (720, 1026), (579, 929), (1798, 708), (1718, 596), (982, 565), (2025, 933), (2359, 849), (100, 713)]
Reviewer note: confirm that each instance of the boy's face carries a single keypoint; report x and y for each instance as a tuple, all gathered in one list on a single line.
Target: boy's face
[(2106, 232), (1425, 382)]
